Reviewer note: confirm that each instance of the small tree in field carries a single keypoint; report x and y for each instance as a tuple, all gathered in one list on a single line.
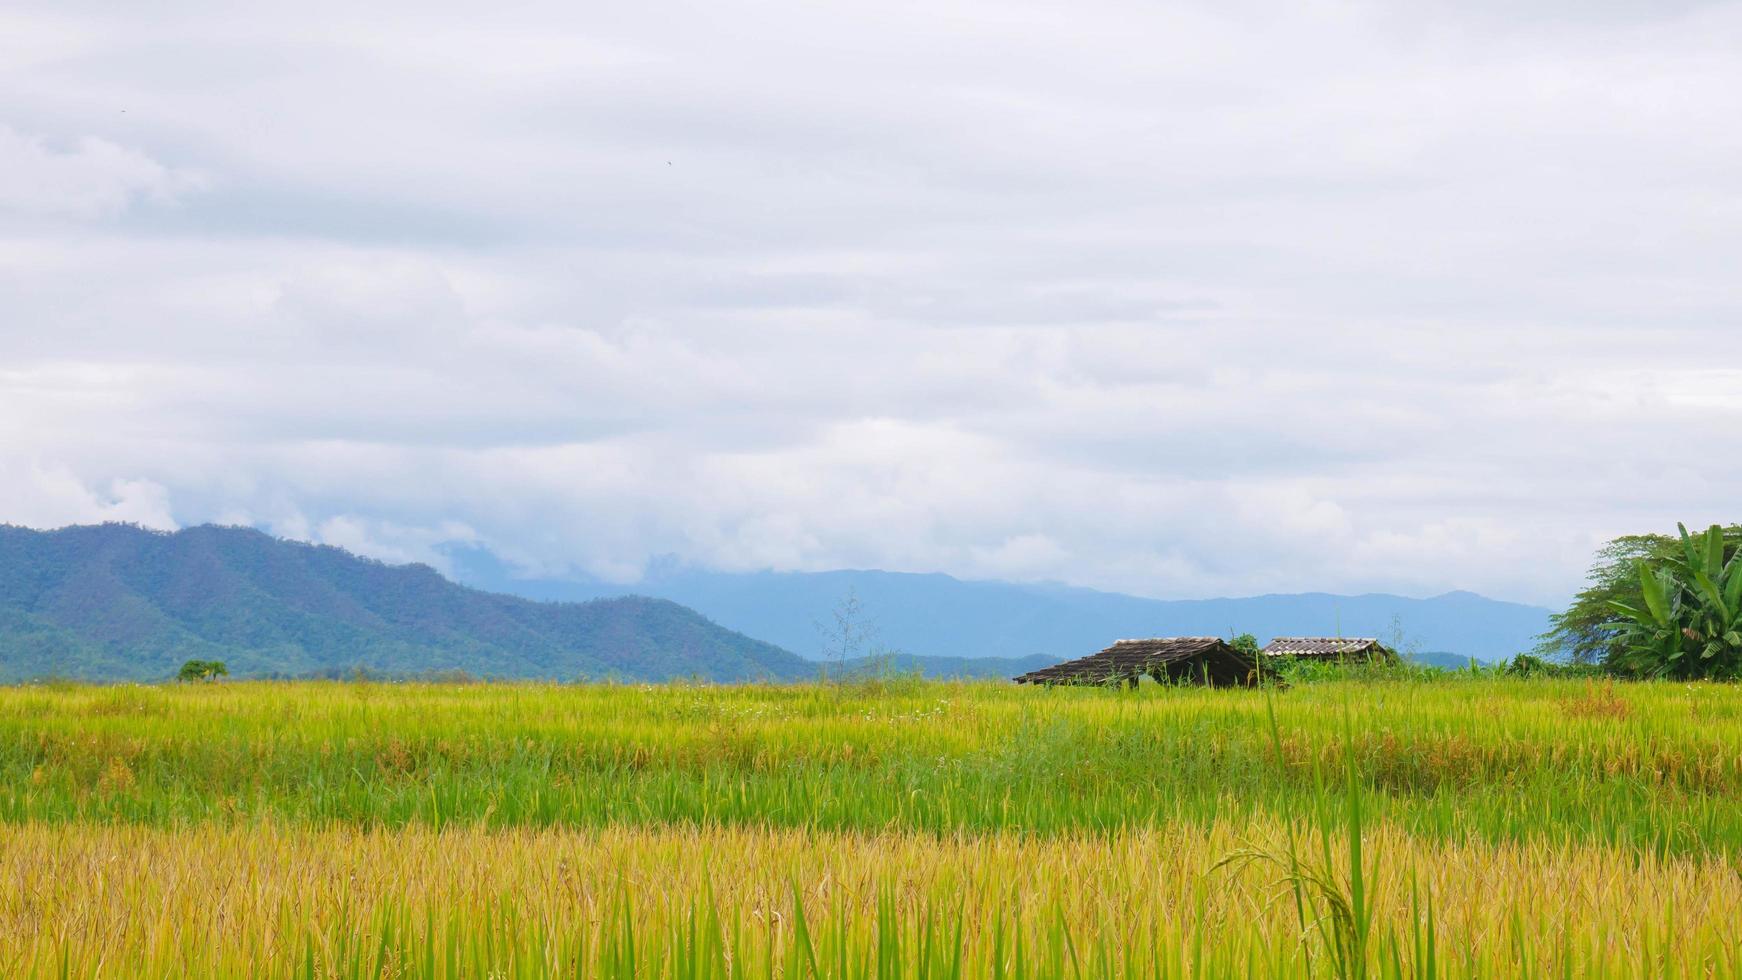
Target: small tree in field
[(202, 670)]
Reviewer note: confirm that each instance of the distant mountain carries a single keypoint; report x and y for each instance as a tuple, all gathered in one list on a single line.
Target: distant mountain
[(118, 602), (940, 616)]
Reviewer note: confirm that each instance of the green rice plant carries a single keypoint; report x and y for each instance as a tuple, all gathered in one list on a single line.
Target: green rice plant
[(1334, 906), (1527, 826), (1657, 766)]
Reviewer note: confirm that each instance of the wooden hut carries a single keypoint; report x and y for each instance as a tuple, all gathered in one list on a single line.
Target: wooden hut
[(1357, 649), (1169, 660)]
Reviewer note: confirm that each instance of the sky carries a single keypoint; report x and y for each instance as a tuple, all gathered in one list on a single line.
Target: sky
[(1180, 300)]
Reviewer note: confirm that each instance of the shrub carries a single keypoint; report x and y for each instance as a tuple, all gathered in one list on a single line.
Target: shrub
[(202, 670)]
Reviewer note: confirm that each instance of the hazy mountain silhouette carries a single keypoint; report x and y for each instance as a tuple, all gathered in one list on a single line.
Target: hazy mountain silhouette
[(939, 616)]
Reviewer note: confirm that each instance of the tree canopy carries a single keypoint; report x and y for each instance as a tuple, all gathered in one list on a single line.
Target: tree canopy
[(202, 670), (1593, 629)]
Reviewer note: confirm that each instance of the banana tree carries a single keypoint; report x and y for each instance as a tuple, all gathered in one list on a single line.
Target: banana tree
[(1691, 623)]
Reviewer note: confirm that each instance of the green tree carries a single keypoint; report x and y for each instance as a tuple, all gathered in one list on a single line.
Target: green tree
[(1590, 631), (202, 670), (1688, 619)]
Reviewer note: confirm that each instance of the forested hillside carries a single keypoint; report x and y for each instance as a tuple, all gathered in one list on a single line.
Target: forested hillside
[(120, 602)]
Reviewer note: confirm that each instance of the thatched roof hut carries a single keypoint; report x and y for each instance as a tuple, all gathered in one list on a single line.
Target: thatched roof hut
[(1176, 659), (1341, 648)]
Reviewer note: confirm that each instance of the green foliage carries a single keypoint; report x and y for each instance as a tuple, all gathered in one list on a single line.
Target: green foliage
[(1245, 643), (1525, 665), (1589, 631), (1311, 670), (1528, 665), (1687, 621), (202, 670)]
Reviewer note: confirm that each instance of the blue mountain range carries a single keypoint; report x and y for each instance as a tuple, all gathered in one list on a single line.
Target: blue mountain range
[(933, 615)]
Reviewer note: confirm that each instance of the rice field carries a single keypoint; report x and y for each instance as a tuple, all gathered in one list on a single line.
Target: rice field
[(1465, 826)]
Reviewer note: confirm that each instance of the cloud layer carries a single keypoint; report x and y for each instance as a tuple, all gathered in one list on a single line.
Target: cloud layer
[(1180, 300)]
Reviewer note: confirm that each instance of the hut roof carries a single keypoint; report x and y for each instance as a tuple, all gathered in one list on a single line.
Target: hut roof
[(1325, 646), (1131, 658)]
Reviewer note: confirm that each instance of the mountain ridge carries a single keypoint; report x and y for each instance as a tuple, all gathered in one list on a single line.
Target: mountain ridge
[(937, 615), (117, 602)]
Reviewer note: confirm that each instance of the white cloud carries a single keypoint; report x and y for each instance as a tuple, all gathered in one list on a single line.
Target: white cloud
[(48, 496), (390, 542), (86, 177), (1179, 299)]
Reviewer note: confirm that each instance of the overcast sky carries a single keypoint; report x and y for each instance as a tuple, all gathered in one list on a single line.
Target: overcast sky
[(1179, 300)]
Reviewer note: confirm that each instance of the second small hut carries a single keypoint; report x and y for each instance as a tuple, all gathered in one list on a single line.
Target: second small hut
[(1169, 660), (1340, 649)]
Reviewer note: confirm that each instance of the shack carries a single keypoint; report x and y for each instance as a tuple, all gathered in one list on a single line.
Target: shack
[(1360, 649), (1169, 660)]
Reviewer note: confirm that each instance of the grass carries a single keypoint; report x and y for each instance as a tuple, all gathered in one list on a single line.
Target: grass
[(1454, 827), (1653, 766)]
